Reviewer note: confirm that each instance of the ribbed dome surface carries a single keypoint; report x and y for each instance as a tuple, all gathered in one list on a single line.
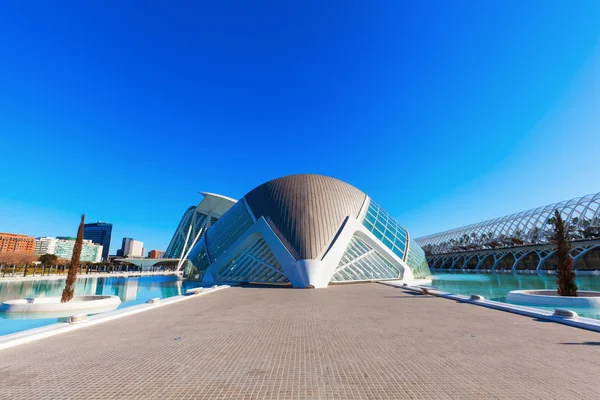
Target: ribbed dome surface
[(307, 210)]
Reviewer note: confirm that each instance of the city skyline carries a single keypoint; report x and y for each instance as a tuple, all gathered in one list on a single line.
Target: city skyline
[(484, 125)]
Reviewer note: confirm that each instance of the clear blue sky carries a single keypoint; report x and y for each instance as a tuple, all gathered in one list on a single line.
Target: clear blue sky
[(446, 113)]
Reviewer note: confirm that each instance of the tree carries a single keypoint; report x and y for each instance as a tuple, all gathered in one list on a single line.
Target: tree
[(565, 274), (48, 259), (69, 289)]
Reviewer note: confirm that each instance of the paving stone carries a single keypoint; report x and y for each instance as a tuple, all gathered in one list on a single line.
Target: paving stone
[(363, 341)]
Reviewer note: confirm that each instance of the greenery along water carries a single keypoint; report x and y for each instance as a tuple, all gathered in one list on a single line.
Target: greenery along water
[(131, 291), (497, 286)]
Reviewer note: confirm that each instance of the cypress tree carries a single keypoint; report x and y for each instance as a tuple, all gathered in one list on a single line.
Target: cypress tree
[(69, 289), (565, 274)]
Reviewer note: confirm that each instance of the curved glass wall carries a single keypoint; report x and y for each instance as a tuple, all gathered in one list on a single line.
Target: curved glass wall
[(228, 229), (416, 260), (199, 261), (386, 229)]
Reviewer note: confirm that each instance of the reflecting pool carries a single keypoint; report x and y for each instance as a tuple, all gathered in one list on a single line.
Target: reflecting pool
[(131, 291), (496, 286)]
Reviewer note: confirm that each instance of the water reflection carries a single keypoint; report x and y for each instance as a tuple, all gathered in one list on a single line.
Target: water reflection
[(131, 291), (497, 286)]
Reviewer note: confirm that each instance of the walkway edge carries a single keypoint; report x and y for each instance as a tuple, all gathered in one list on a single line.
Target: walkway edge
[(579, 322), (30, 335)]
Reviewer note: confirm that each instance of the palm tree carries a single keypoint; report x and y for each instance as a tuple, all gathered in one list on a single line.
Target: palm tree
[(566, 274), (69, 289)]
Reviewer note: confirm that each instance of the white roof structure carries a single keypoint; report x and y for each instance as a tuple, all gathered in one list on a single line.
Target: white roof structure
[(527, 227), (199, 218)]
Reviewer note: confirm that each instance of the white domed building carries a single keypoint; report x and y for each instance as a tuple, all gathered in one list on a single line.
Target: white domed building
[(306, 231)]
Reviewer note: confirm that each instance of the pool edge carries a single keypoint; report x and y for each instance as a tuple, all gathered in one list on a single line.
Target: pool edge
[(579, 322), (30, 335)]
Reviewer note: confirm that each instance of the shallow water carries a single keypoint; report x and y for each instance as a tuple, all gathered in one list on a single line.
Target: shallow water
[(496, 286), (131, 291)]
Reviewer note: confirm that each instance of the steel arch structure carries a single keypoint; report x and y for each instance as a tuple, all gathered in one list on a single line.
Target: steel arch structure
[(527, 227), (586, 257)]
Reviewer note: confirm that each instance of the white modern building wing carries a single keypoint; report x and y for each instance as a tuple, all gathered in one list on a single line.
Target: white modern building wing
[(195, 221)]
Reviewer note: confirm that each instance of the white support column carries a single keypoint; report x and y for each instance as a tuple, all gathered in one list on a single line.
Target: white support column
[(184, 245), (182, 259)]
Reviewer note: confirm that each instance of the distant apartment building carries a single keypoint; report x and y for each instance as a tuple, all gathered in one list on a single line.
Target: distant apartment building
[(156, 254), (89, 251), (15, 243), (99, 233), (44, 245), (131, 248)]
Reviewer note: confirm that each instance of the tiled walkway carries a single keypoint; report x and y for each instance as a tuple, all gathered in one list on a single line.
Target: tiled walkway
[(364, 341)]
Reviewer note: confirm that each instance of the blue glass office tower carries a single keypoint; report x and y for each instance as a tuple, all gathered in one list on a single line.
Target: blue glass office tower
[(99, 233)]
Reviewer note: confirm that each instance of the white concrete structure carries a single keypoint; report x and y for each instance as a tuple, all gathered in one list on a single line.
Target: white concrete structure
[(306, 231), (550, 298), (147, 263), (51, 307)]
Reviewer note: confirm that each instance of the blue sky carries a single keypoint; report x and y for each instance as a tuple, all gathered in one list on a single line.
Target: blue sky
[(445, 113)]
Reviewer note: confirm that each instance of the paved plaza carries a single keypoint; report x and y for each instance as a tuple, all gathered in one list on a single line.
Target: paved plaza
[(363, 341)]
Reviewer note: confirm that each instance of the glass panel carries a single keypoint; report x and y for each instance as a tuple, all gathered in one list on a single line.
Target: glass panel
[(394, 234)]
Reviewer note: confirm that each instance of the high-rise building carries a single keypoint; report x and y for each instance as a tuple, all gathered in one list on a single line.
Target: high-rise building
[(156, 254), (99, 233), (62, 247), (131, 248), (44, 245), (15, 243)]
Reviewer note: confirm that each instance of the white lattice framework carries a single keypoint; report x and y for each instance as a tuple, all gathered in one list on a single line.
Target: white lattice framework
[(256, 263), (199, 218), (529, 226), (361, 262)]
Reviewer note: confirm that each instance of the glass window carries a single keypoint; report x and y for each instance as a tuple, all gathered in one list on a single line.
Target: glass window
[(228, 229), (386, 229), (416, 261)]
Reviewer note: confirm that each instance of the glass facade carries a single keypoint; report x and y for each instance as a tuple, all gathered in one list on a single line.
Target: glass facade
[(360, 262), (416, 260), (386, 229), (228, 229), (99, 233), (89, 251), (199, 261)]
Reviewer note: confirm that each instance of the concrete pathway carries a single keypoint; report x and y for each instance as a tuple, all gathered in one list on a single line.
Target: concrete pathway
[(363, 341)]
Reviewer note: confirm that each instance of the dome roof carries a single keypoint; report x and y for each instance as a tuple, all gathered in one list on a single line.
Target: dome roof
[(306, 211)]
